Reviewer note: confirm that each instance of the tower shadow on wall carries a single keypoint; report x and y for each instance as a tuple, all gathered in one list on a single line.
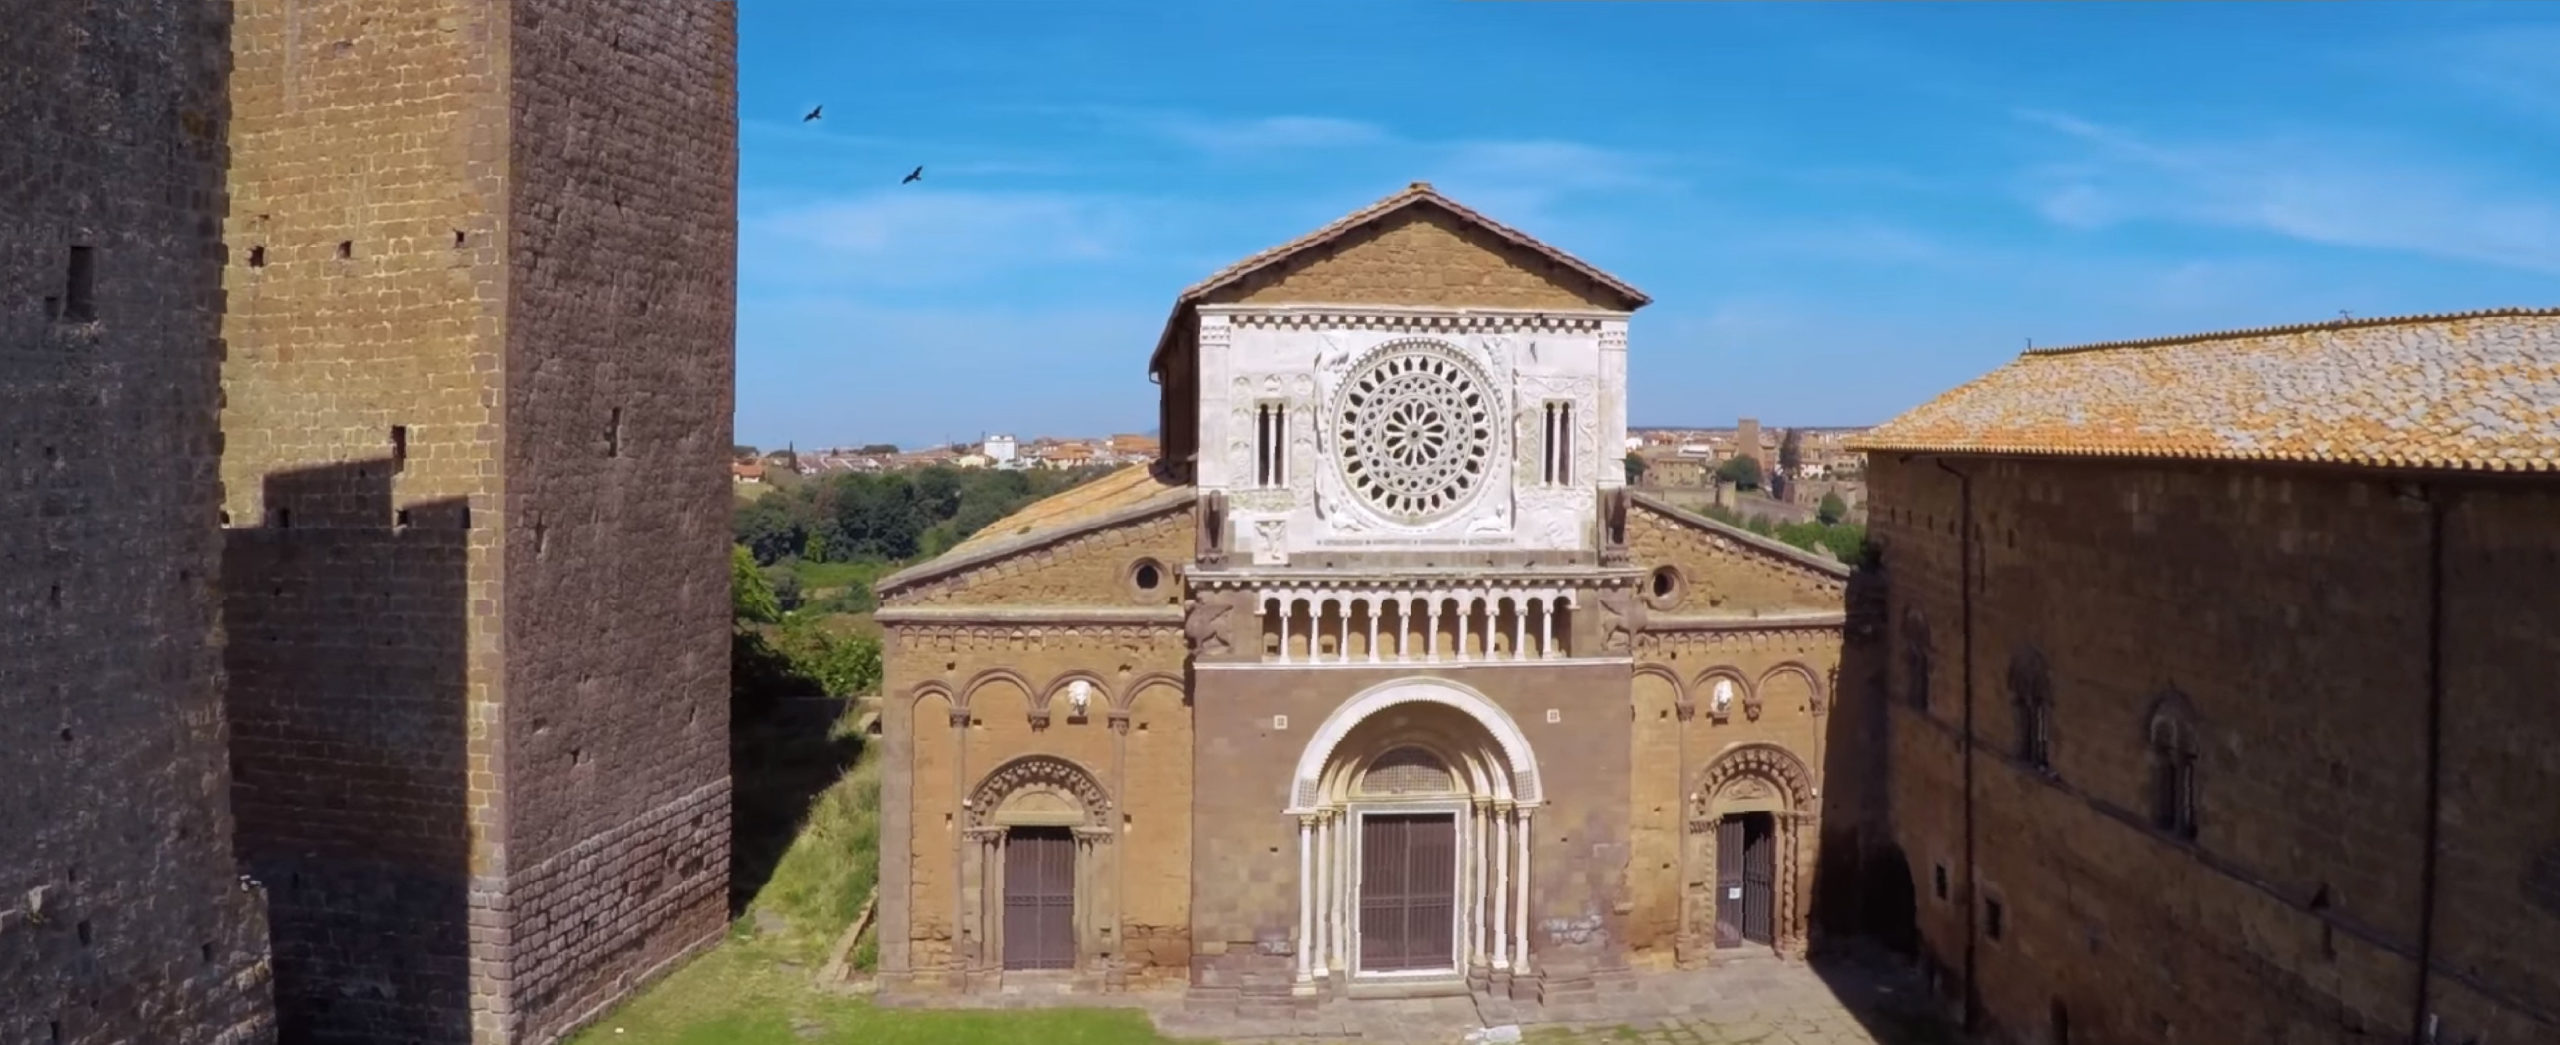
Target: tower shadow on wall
[(1864, 899), (347, 626)]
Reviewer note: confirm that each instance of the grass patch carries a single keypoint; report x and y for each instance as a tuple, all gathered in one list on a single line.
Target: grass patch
[(817, 575), (740, 994), (822, 856)]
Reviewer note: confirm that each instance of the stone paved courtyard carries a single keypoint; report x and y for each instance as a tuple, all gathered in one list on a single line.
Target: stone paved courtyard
[(1861, 1000)]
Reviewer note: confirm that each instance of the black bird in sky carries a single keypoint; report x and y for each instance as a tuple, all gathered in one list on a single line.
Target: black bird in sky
[(813, 114), (913, 175)]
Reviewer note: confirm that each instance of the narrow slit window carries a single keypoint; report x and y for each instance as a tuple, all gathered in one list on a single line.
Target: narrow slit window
[(1558, 463), (613, 434), (399, 444), (1271, 440), (80, 296)]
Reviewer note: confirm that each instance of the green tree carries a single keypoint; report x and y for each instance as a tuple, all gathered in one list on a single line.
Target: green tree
[(1635, 468), (1742, 470), (1790, 455), (750, 598), (742, 451), (1832, 509)]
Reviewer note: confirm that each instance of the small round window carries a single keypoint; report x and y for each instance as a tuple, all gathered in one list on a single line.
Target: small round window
[(1664, 588), (1147, 579)]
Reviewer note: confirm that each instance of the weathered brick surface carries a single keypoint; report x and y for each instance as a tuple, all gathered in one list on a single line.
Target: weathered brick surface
[(1423, 256), (1720, 573), (122, 918), (1088, 569), (619, 377), (1782, 697), (995, 671), (481, 308), (2291, 610)]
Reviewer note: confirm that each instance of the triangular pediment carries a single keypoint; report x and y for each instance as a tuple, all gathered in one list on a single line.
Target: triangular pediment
[(1418, 247)]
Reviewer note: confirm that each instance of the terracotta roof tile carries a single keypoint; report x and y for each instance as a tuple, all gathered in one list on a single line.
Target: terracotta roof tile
[(2474, 391), (1119, 491)]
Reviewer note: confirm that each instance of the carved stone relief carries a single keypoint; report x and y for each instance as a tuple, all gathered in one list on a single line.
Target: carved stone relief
[(1272, 544), (1205, 624), (1617, 619)]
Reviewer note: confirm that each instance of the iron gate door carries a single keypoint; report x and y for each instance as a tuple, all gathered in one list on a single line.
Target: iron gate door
[(1039, 898), (1408, 891), (1759, 878), (1729, 846)]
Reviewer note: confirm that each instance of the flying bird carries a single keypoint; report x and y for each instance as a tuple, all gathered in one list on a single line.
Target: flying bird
[(813, 114), (913, 175)]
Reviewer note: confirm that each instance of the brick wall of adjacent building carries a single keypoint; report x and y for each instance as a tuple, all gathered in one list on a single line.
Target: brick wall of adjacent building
[(463, 236), (122, 916), (2291, 610)]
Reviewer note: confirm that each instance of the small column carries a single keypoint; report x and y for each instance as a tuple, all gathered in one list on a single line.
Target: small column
[(1520, 883), (1477, 866), (1374, 606), (1306, 894), (1501, 887), (1431, 629), (1466, 615), (1519, 626), (1547, 628), (1324, 896), (1288, 609), (1342, 644)]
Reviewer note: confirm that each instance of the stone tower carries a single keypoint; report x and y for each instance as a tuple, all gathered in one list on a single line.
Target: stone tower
[(480, 288), (122, 916)]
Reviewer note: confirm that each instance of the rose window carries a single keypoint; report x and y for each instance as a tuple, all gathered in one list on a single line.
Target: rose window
[(1416, 434)]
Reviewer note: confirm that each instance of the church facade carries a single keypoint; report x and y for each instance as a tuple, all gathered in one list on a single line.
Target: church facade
[(1380, 681)]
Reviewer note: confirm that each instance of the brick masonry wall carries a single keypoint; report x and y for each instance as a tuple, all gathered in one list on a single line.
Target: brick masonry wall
[(1721, 573), (1423, 256), (1786, 673), (1089, 569), (121, 914), (619, 381), (2290, 609), (365, 288), (1245, 846), (996, 671)]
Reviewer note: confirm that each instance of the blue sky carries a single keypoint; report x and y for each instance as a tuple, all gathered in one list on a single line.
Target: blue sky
[(1839, 210)]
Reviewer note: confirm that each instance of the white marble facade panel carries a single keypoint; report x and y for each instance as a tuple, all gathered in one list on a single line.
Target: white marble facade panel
[(1407, 429)]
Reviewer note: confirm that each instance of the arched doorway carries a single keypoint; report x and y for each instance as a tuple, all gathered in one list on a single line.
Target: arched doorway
[(1751, 821), (1036, 878), (1413, 804)]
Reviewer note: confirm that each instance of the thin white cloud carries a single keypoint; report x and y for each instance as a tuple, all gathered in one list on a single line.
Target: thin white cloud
[(918, 234), (2315, 189), (1270, 133), (2513, 64)]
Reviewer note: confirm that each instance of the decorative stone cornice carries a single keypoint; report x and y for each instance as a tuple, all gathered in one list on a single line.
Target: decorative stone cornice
[(1394, 320), (1827, 621), (925, 618), (1413, 578)]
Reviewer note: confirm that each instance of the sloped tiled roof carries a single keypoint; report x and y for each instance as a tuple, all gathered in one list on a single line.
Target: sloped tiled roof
[(1419, 193), (2475, 391), (1130, 492)]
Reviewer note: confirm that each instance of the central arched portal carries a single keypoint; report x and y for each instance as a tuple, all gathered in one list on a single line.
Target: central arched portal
[(1413, 803)]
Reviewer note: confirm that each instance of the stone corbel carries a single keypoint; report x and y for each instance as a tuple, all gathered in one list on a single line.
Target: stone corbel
[(959, 718), (1613, 526), (1040, 717), (1685, 708), (1210, 544), (1118, 719)]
